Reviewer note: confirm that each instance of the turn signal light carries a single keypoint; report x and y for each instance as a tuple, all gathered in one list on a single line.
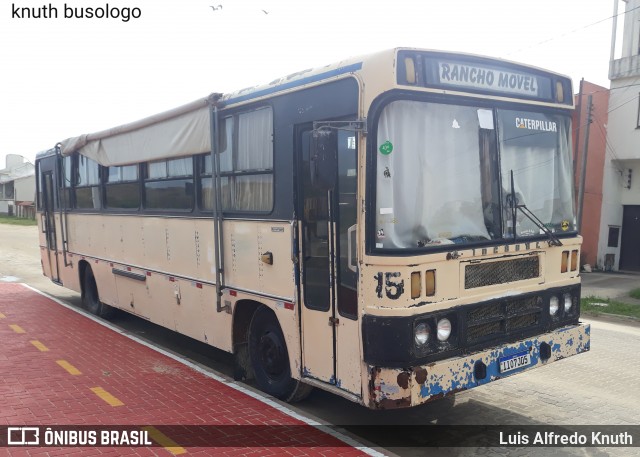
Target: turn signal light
[(416, 284), (565, 262), (574, 260), (430, 283)]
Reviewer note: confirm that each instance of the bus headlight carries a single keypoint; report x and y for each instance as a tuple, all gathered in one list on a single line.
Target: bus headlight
[(444, 329), (568, 302), (554, 305), (422, 334)]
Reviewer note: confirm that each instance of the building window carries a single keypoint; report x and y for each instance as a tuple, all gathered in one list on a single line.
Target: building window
[(614, 236), (87, 182), (122, 187), (246, 164), (169, 184), (8, 190)]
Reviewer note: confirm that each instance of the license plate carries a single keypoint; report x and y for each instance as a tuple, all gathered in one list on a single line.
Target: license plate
[(515, 361)]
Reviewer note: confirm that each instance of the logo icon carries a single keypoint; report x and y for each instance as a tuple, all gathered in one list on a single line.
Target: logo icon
[(23, 436)]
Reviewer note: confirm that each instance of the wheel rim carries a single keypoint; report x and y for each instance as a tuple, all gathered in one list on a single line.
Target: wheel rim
[(272, 355)]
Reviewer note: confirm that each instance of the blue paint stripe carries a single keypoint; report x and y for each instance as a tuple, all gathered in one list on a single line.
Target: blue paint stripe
[(297, 83)]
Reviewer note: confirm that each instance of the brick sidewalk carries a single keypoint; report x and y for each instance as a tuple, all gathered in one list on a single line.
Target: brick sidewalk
[(58, 367)]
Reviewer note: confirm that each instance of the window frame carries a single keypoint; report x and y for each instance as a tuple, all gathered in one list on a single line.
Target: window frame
[(375, 112), (75, 177), (106, 185), (168, 178), (231, 145), (613, 229), (66, 186)]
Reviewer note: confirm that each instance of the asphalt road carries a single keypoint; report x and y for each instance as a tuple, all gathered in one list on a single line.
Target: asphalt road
[(613, 285), (601, 387)]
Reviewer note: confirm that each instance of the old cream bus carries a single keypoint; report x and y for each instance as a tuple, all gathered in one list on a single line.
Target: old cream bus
[(393, 228)]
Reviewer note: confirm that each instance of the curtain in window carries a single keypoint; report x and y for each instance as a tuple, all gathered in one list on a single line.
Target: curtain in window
[(95, 197), (252, 151), (253, 193), (226, 146), (157, 170), (123, 173), (428, 175), (255, 141), (540, 161), (67, 178), (206, 194), (180, 167), (563, 195), (129, 172), (175, 168), (88, 172)]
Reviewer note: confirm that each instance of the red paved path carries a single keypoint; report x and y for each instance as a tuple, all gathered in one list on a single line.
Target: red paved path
[(155, 389)]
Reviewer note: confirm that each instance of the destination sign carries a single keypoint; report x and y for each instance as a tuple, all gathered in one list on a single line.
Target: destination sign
[(494, 79)]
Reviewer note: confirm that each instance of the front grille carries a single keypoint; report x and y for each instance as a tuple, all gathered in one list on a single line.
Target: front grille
[(514, 323), (503, 319), (491, 273), (479, 332), (485, 312)]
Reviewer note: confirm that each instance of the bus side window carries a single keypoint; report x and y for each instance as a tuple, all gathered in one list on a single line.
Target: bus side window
[(122, 187), (66, 182), (347, 214), (169, 184), (246, 164), (87, 183)]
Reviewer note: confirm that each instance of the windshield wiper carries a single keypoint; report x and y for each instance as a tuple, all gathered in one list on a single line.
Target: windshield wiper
[(553, 240)]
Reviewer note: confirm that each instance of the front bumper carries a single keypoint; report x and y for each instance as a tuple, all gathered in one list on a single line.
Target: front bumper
[(398, 388)]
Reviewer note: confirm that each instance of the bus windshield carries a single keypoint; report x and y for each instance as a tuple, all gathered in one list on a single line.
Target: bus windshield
[(535, 147), (444, 174)]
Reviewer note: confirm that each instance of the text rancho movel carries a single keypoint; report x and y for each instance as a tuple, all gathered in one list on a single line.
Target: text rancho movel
[(487, 78)]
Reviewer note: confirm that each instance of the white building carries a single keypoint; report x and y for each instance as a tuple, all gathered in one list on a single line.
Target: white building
[(619, 241), (17, 187)]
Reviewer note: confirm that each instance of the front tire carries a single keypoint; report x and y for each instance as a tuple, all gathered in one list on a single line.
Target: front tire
[(270, 359)]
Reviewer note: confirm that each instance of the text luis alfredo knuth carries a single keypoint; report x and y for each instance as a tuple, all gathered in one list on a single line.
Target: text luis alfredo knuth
[(553, 438)]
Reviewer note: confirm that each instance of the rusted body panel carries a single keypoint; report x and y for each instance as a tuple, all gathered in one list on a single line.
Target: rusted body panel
[(397, 388)]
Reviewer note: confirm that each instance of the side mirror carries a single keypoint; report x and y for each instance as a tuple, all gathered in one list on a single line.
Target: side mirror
[(324, 158)]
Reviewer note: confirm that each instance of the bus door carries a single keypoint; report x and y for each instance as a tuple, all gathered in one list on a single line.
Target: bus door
[(327, 209), (47, 184)]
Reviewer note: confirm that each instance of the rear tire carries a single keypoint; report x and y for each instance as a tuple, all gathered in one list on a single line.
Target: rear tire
[(91, 298), (270, 359)]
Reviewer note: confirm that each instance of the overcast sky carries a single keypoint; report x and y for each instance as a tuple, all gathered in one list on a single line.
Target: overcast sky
[(63, 77)]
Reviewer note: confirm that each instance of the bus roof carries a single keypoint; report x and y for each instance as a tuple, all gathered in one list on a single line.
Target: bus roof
[(185, 130)]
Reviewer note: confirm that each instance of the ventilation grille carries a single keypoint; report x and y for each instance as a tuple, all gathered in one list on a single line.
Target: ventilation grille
[(501, 320), (491, 273)]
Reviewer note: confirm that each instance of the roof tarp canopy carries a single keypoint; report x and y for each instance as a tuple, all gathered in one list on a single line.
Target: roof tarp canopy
[(183, 131)]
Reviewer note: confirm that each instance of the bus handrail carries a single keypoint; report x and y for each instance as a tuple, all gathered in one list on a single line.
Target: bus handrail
[(217, 205), (64, 226)]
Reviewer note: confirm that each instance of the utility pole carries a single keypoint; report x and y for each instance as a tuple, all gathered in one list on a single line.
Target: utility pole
[(578, 133), (583, 173)]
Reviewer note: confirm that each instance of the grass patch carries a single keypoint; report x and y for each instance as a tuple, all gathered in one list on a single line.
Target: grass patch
[(613, 307), (635, 293), (17, 221)]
